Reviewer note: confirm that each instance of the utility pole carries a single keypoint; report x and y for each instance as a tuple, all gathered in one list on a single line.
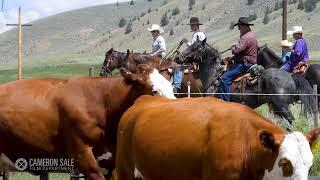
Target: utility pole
[(19, 42), (284, 21)]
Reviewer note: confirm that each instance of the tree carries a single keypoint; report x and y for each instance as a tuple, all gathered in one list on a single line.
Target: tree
[(191, 4), (268, 11), (149, 10), (310, 5), (122, 22), (231, 27), (276, 6), (175, 11), (131, 2), (164, 20), (250, 2), (252, 17), (117, 3), (301, 5), (128, 28), (266, 19), (149, 0), (164, 2), (148, 22), (171, 32)]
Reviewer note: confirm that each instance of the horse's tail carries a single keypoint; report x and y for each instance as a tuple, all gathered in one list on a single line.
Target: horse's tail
[(303, 87)]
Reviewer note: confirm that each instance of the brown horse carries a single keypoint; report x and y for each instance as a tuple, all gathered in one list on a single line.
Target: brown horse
[(207, 139), (116, 60), (68, 117)]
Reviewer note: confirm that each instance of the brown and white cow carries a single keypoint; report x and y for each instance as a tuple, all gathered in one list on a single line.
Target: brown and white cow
[(206, 139), (67, 117)]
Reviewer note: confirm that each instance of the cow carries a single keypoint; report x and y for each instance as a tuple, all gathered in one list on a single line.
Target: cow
[(50, 117), (205, 139)]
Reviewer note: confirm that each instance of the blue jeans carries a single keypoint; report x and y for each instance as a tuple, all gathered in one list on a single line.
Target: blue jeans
[(177, 79), (287, 67), (234, 71)]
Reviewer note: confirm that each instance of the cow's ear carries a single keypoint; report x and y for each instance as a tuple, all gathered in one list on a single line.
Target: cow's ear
[(110, 51), (312, 136), (269, 140), (144, 69), (133, 78)]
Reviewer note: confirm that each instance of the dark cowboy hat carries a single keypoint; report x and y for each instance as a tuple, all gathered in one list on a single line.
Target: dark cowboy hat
[(195, 21), (243, 21)]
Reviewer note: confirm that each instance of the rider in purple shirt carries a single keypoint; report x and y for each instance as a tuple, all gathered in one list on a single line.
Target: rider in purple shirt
[(299, 51)]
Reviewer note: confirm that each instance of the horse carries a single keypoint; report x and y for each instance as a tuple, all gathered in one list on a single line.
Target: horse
[(116, 60), (272, 81), (268, 59), (75, 118)]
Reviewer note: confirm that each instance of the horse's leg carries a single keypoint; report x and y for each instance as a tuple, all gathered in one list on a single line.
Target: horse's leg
[(282, 110)]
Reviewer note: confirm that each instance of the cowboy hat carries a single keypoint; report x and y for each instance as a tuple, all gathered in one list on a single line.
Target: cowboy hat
[(195, 21), (243, 21), (286, 43), (156, 27), (295, 29)]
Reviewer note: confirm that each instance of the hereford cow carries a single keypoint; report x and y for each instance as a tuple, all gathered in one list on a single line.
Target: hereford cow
[(67, 117), (207, 139)]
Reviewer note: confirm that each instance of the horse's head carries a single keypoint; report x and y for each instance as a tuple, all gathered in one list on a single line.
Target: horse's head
[(112, 61), (147, 80), (267, 58), (194, 52)]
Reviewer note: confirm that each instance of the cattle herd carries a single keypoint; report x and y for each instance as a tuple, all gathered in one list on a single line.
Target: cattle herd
[(148, 137)]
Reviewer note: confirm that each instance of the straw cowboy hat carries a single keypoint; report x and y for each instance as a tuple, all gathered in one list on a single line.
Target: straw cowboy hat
[(286, 43), (195, 21), (156, 27), (295, 29), (243, 21)]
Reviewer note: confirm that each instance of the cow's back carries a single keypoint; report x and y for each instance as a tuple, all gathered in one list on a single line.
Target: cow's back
[(191, 138)]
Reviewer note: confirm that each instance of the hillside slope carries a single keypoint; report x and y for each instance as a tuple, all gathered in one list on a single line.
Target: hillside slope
[(83, 35)]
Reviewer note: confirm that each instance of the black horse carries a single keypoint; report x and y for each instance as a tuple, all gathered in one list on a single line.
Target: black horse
[(272, 81), (268, 59)]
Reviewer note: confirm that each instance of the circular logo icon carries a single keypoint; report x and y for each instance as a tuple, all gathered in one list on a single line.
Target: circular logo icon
[(21, 164)]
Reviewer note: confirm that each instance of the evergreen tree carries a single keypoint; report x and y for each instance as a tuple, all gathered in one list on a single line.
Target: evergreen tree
[(276, 6), (128, 28), (171, 32), (131, 2), (164, 20), (301, 5), (175, 11), (252, 17), (191, 4), (250, 2), (122, 22), (117, 3), (310, 5), (231, 27), (266, 19)]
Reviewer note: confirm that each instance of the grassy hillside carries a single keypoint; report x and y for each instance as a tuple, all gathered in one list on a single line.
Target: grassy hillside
[(83, 35)]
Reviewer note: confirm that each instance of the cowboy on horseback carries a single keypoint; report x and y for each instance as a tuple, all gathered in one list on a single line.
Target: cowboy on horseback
[(299, 55), (197, 35), (245, 56), (286, 46), (158, 45)]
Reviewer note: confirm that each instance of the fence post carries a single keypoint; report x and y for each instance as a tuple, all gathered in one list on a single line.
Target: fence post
[(91, 71), (44, 176), (316, 118)]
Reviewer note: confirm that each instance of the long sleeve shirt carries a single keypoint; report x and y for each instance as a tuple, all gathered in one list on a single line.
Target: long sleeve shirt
[(159, 46), (300, 52), (247, 48), (195, 35)]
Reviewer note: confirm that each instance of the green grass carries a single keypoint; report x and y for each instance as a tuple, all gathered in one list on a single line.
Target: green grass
[(63, 71)]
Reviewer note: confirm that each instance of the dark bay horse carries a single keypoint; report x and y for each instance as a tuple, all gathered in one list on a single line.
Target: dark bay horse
[(43, 118), (116, 60), (268, 59), (272, 81)]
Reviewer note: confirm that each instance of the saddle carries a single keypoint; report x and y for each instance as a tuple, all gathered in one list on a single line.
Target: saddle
[(300, 68), (250, 78)]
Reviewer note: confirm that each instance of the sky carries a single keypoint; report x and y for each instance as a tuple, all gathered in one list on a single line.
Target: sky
[(35, 9)]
